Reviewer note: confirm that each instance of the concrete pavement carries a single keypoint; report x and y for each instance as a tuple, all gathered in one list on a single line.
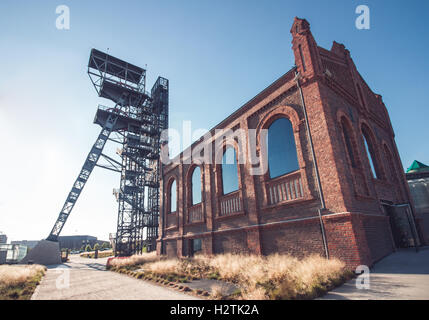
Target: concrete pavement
[(88, 279), (403, 275)]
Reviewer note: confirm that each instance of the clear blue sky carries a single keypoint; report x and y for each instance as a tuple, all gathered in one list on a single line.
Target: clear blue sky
[(217, 55)]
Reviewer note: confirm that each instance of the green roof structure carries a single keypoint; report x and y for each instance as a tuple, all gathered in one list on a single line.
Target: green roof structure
[(417, 166)]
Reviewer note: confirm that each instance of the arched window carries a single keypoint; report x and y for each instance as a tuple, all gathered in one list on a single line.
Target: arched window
[(370, 151), (282, 156), (196, 186), (173, 197), (229, 171), (348, 142)]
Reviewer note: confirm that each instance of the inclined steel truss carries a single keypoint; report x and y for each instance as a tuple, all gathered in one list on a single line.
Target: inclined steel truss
[(82, 178), (135, 122)]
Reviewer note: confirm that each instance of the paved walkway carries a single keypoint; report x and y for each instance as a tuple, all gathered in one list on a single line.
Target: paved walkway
[(403, 275), (88, 279)]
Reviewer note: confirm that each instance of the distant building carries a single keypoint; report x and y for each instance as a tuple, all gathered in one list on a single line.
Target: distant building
[(30, 244), (418, 181), (3, 238), (3, 255), (76, 242), (3, 248)]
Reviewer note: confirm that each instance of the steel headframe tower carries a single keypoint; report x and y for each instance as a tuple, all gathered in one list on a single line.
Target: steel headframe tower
[(135, 121)]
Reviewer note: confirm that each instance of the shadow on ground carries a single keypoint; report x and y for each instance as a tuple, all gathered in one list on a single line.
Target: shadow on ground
[(402, 275)]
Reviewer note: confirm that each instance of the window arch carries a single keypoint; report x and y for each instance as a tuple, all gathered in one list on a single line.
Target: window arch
[(173, 196), (349, 142), (196, 186), (281, 148), (371, 153), (229, 171)]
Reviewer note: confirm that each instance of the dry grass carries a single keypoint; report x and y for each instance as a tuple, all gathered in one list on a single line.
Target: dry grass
[(218, 292), (18, 274), (19, 281), (277, 276), (165, 266), (259, 277), (134, 260)]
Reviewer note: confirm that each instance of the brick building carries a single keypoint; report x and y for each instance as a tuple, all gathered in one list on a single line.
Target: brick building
[(336, 188), (418, 180)]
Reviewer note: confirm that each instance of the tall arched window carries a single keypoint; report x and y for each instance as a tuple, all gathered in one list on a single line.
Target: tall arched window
[(349, 142), (196, 186), (229, 171), (282, 156), (173, 197), (370, 151)]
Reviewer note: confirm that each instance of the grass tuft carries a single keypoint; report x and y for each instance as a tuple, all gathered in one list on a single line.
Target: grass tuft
[(18, 282), (258, 277)]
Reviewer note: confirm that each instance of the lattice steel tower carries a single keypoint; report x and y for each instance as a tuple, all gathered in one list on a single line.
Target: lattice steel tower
[(135, 122)]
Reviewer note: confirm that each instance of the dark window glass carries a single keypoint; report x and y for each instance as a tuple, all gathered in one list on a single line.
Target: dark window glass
[(196, 186), (282, 156), (173, 197), (229, 171), (197, 245)]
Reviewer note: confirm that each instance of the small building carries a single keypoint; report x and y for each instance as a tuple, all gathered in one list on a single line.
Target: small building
[(12, 253), (3, 255), (3, 238), (418, 181)]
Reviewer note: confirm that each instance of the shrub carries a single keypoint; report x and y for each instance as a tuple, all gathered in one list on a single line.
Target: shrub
[(101, 254)]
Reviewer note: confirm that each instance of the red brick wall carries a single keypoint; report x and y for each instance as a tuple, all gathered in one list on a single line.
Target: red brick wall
[(230, 242), (378, 235), (299, 238), (345, 240), (171, 248), (357, 230)]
